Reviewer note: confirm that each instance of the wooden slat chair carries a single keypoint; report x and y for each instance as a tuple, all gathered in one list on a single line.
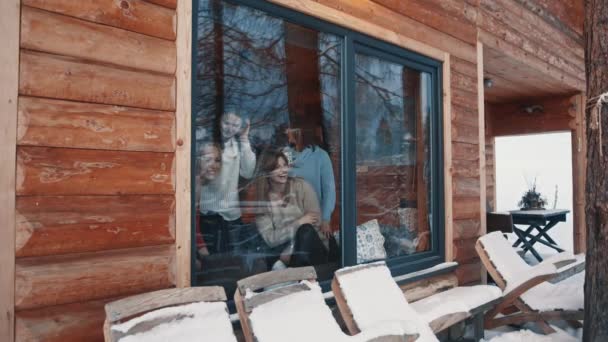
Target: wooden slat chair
[(537, 293), (351, 287), (175, 315), (288, 305)]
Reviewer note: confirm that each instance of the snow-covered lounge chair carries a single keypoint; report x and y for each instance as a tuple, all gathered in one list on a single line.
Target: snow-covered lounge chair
[(288, 305), (185, 314), (367, 294), (551, 290)]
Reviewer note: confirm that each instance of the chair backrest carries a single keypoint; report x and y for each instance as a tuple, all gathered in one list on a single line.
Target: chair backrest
[(500, 259), (367, 295), (264, 288), (146, 311)]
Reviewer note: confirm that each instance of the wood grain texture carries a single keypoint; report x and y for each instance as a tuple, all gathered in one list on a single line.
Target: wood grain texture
[(142, 303), (345, 15), (427, 287), (74, 278), (447, 155), (62, 323), (466, 208), (467, 229), (450, 18), (67, 36), (481, 140), (67, 78), (56, 123), (183, 131), (52, 225), (59, 171), (469, 273), (384, 17), (166, 3), (9, 66), (464, 250), (133, 15)]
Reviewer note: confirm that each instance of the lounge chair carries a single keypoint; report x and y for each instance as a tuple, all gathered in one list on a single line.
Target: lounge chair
[(367, 294), (288, 305), (175, 315), (529, 292)]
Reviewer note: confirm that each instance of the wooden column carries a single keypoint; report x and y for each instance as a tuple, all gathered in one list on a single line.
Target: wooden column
[(182, 152), (579, 160), (447, 158), (482, 149), (9, 76)]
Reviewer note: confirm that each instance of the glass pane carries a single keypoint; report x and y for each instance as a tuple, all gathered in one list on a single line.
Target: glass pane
[(393, 156), (267, 124)]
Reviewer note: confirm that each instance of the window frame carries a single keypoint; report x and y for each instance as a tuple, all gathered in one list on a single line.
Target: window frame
[(354, 41)]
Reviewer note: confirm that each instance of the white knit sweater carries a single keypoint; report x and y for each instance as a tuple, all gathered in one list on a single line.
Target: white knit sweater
[(221, 195)]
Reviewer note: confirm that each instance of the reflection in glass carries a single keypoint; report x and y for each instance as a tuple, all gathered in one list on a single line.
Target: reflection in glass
[(264, 87), (393, 154)]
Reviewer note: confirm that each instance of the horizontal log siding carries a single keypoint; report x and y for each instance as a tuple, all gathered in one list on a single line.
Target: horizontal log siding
[(95, 147)]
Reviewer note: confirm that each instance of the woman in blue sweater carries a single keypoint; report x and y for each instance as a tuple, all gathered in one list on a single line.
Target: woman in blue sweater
[(312, 163)]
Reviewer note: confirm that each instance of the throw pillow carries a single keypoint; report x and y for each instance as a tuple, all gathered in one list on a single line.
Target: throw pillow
[(370, 242)]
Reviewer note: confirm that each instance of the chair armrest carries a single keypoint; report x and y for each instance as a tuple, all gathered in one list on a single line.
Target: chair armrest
[(560, 259), (568, 270)]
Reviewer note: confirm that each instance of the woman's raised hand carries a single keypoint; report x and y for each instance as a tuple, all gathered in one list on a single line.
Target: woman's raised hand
[(244, 134)]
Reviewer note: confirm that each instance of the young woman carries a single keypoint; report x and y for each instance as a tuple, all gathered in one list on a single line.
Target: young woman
[(312, 163), (209, 164), (291, 222), (219, 198)]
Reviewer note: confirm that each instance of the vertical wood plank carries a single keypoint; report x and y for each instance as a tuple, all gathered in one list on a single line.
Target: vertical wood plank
[(482, 148), (9, 80), (579, 162), (447, 158), (182, 152)]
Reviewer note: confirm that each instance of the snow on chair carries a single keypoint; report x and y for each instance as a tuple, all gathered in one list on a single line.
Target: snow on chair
[(367, 294), (551, 290), (184, 314), (288, 305)]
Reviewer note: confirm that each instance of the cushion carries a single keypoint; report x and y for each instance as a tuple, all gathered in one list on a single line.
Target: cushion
[(370, 242)]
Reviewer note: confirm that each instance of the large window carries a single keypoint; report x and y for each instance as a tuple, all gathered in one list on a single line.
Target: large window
[(313, 145)]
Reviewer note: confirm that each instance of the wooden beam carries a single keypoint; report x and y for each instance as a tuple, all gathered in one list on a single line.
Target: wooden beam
[(9, 83), (579, 162), (447, 158), (62, 35), (133, 15), (482, 147), (398, 35), (183, 162)]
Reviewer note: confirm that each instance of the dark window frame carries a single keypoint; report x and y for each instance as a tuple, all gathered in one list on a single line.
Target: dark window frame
[(353, 42)]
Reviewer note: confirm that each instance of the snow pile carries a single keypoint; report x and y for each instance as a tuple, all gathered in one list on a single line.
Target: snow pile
[(304, 317), (373, 297), (458, 299), (567, 294), (197, 320), (529, 336)]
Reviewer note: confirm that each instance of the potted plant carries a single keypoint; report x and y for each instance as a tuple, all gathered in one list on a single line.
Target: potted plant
[(532, 199)]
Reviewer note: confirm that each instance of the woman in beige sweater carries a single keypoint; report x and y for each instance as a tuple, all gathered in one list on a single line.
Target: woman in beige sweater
[(291, 222)]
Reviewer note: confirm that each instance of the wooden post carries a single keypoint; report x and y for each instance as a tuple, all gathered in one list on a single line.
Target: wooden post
[(447, 158), (482, 149), (9, 82), (578, 173), (596, 201), (183, 189)]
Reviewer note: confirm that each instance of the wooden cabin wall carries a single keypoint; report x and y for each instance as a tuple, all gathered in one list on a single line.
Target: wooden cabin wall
[(95, 180), (95, 161)]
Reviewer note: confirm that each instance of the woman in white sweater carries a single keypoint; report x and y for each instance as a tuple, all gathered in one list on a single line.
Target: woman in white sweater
[(219, 198)]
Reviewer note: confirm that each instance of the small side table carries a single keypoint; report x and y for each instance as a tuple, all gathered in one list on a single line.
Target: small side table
[(540, 221)]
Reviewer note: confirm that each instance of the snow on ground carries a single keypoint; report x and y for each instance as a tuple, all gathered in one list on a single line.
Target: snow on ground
[(530, 336)]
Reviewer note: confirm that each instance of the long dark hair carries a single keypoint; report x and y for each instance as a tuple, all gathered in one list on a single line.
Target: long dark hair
[(268, 162)]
